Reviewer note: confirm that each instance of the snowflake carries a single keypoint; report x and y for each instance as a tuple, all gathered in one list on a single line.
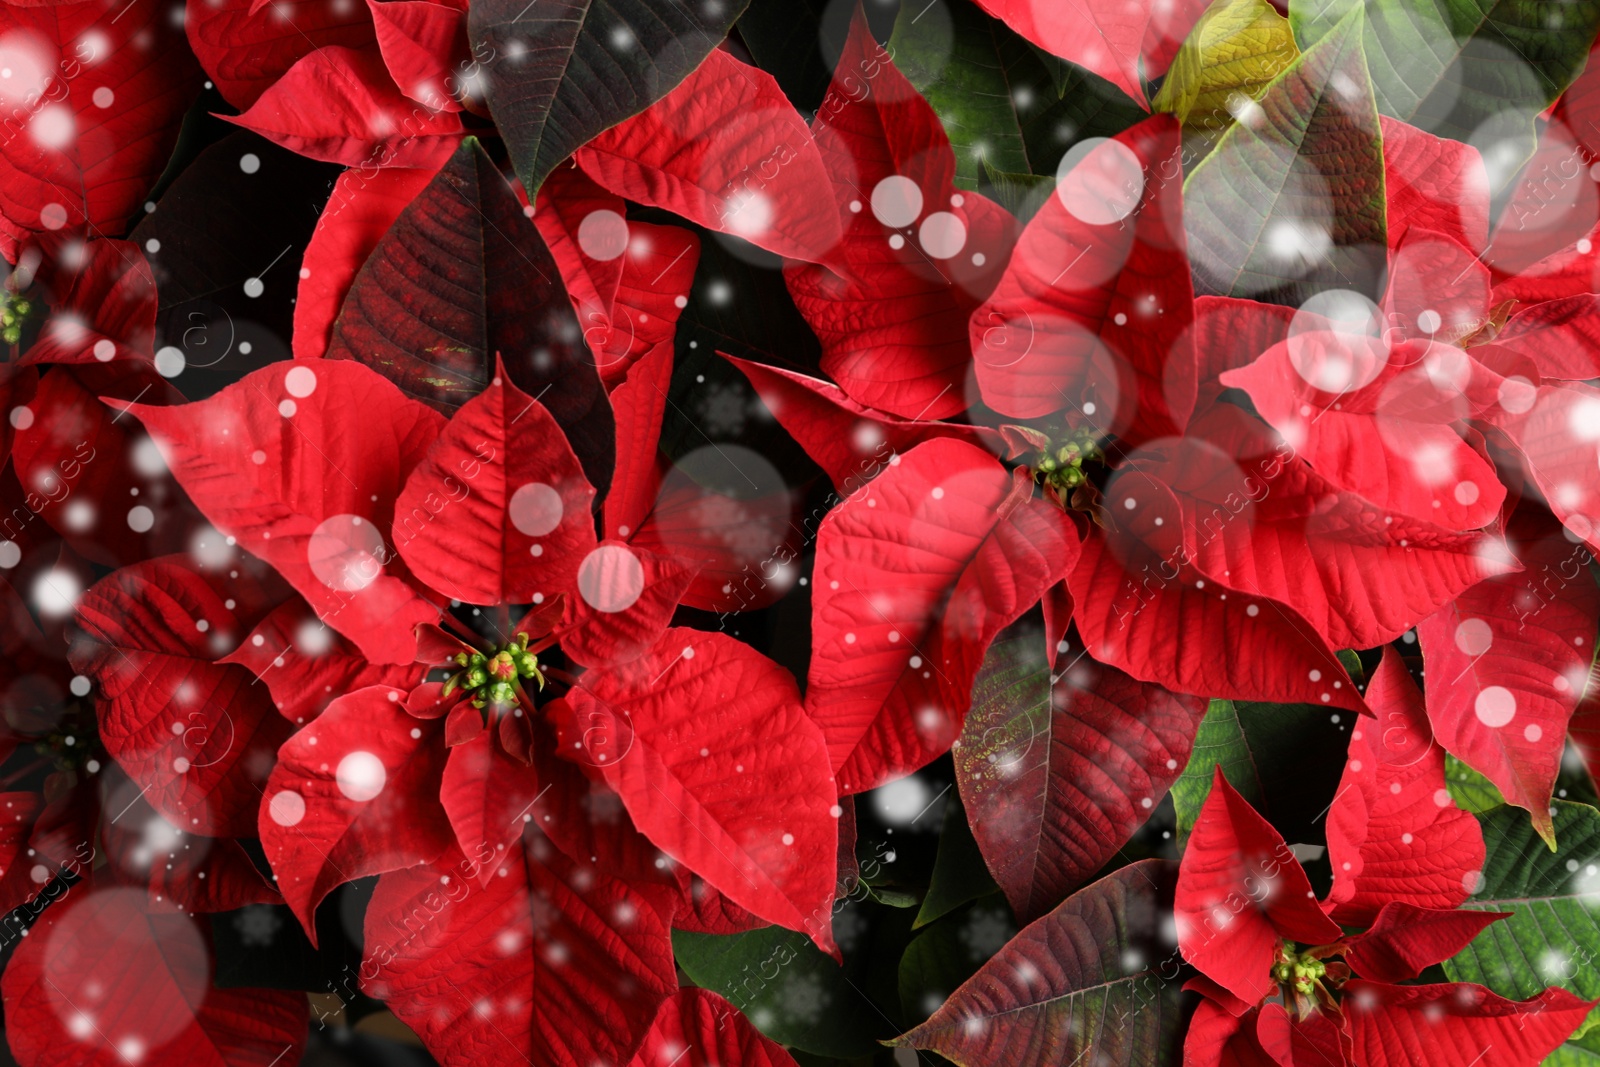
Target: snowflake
[(257, 924), (804, 998), (848, 926), (723, 409), (986, 933)]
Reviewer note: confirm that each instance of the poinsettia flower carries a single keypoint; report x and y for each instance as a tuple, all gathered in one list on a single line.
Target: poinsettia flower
[(1282, 981)]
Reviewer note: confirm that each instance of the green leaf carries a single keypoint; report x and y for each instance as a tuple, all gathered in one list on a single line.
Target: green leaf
[(559, 72), (1230, 56), (949, 952), (1294, 199), (1470, 790), (1553, 935), (1020, 194), (1576, 1054), (1220, 740), (790, 990), (1449, 66), (959, 874), (981, 79)]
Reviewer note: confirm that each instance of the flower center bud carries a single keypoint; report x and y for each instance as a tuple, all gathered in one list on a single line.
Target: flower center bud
[(491, 680), (15, 312), (1300, 970), (1060, 465)]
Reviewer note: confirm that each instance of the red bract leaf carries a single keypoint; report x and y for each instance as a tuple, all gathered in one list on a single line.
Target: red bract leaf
[(850, 442), (1218, 1038), (182, 870), (550, 962), (1422, 1025), (584, 227), (1093, 311), (101, 102), (1080, 982), (697, 1028), (18, 813), (617, 618), (306, 665), (1394, 834), (354, 793), (723, 771), (657, 274), (727, 150), (1387, 439), (1056, 772), (1313, 1040), (300, 463), (1404, 940), (703, 910), (1105, 39), (1507, 662), (1435, 183), (460, 281), (1230, 332), (82, 459), (1241, 891), (1266, 523), (99, 982), (1134, 587), (198, 735), (917, 257), (360, 211), (914, 577), (489, 797), (498, 511), (424, 46), (94, 292), (639, 402), (340, 105), (1561, 336), (246, 45)]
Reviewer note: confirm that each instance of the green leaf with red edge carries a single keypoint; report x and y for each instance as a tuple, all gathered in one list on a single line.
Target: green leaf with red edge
[(1286, 201), (564, 72), (1553, 935), (462, 278), (499, 510), (914, 578), (722, 769), (1058, 771), (551, 961), (102, 981), (354, 793), (148, 635), (1083, 980)]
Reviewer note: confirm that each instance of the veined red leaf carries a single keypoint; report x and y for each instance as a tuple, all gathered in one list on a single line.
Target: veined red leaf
[(1080, 981), (489, 797), (360, 211), (850, 442), (301, 464), (339, 105), (575, 68), (354, 793), (615, 620), (913, 578), (101, 102), (306, 664), (697, 1028), (723, 770), (100, 982), (424, 47), (639, 404), (1435, 183), (1134, 587), (1559, 336), (1507, 662), (463, 279), (1420, 1025), (94, 291), (1093, 312), (1394, 833), (245, 46), (1106, 40), (199, 736), (551, 961), (498, 511), (1057, 771), (1403, 939), (1240, 891), (891, 305), (728, 151)]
